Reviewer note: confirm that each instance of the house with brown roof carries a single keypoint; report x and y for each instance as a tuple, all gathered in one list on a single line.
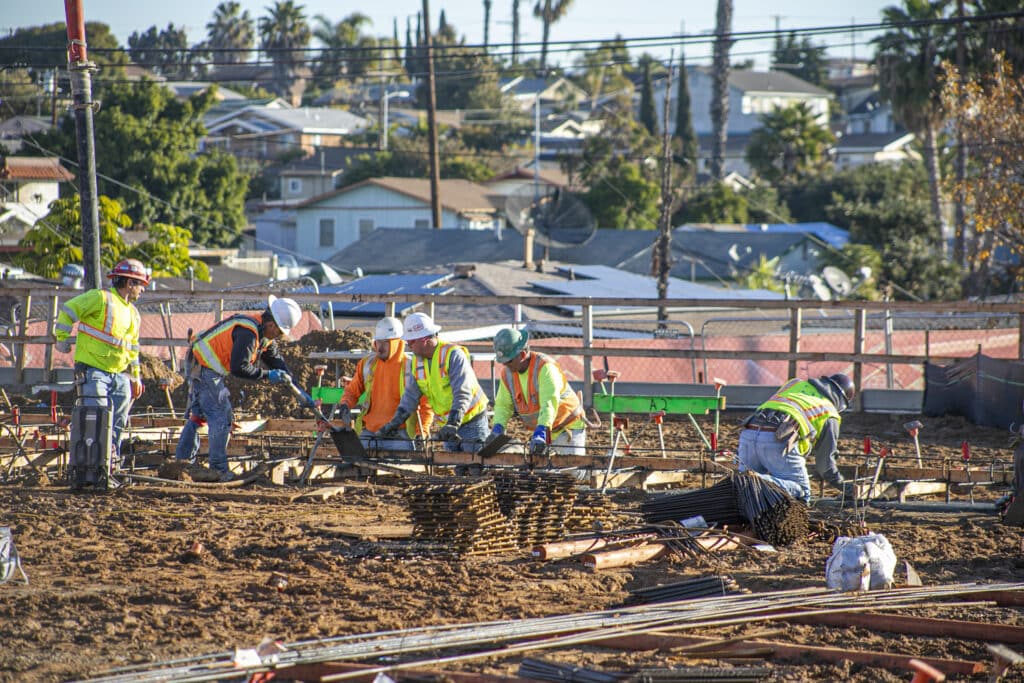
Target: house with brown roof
[(327, 223), (27, 187)]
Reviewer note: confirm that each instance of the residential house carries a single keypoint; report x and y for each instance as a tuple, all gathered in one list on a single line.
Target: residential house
[(874, 148), (520, 177), (27, 187), (266, 132), (265, 75), (184, 90), (329, 222), (551, 94), (16, 128), (318, 173)]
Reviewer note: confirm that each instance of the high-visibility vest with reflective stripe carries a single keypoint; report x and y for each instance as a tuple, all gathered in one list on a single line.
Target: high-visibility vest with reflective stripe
[(108, 337), (805, 404), (212, 348), (528, 406), (368, 366), (435, 385)]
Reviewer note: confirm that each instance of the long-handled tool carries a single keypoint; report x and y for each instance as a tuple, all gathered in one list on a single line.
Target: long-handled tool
[(913, 428)]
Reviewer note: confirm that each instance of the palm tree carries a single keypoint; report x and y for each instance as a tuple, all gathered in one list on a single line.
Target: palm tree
[(515, 32), (231, 29), (720, 87), (789, 145), (549, 12), (487, 24), (908, 58), (340, 40), (284, 34)]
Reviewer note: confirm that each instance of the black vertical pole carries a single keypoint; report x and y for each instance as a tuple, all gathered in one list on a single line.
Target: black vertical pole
[(81, 88), (435, 162)]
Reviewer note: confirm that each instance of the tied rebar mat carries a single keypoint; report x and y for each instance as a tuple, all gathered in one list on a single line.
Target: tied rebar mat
[(740, 498), (691, 589), (537, 504), (557, 672), (459, 513)]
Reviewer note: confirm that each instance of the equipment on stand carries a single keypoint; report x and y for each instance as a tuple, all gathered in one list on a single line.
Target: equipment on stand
[(89, 452)]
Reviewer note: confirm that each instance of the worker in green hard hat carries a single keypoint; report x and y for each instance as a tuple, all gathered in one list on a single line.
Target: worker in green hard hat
[(535, 388)]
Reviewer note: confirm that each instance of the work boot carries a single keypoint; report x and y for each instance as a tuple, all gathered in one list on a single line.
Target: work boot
[(226, 476)]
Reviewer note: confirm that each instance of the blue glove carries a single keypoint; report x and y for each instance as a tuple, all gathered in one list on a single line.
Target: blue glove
[(496, 431), (278, 376), (539, 440), (449, 432)]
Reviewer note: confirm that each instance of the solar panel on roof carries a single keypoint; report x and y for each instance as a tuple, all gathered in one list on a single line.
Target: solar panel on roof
[(382, 284)]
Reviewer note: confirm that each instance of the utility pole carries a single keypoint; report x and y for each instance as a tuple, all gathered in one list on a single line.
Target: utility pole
[(960, 219), (662, 253), (435, 167), (81, 70)]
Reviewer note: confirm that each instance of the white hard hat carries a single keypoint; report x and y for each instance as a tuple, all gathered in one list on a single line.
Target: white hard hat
[(419, 325), (387, 328), (286, 313)]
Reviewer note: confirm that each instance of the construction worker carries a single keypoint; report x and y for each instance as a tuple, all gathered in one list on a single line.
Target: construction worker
[(800, 419), (535, 388), (107, 344), (233, 346), (442, 372), (379, 382)]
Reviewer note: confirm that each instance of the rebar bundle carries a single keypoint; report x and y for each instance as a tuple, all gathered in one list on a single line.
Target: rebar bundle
[(740, 498), (537, 504), (462, 513), (541, 670), (691, 589), (590, 511), (702, 674)]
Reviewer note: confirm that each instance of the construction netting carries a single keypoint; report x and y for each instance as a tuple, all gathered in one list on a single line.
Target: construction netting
[(987, 391)]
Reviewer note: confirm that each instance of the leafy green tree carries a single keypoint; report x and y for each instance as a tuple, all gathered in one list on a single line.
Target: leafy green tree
[(285, 33), (407, 157), (603, 70), (21, 93), (713, 203), (232, 29), (40, 48), (624, 199), (648, 115), (165, 252), (165, 52), (549, 12), (147, 149), (347, 49), (801, 58), (762, 275), (466, 79), (684, 132), (863, 263), (720, 87), (764, 205), (908, 58), (789, 145)]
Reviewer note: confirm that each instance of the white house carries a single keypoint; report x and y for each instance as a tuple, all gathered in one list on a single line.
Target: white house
[(327, 223), (27, 186), (874, 148)]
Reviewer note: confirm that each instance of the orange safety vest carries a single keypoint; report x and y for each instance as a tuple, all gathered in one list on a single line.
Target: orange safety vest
[(527, 407), (212, 348)]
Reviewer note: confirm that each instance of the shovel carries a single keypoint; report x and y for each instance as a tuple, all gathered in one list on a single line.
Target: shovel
[(494, 446)]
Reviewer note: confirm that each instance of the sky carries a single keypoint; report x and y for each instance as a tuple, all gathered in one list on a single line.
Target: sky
[(586, 20)]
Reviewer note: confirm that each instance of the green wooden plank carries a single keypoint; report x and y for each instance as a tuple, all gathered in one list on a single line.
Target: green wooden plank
[(672, 405)]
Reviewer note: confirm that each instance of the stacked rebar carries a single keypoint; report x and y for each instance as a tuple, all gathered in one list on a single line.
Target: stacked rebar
[(460, 513), (591, 511), (691, 589), (740, 498), (536, 503), (541, 670), (703, 674), (776, 516)]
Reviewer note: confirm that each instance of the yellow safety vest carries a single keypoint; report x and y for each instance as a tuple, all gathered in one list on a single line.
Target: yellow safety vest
[(435, 385), (805, 404), (528, 406), (108, 330)]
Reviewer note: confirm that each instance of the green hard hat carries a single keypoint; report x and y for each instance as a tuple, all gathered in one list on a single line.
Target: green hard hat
[(508, 343)]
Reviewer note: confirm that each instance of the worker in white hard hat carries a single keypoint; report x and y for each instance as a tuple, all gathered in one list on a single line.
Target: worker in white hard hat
[(243, 346), (378, 383), (442, 372), (534, 387)]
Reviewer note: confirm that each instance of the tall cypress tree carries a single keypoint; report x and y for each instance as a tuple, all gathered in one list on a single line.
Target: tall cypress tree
[(684, 121), (648, 115)]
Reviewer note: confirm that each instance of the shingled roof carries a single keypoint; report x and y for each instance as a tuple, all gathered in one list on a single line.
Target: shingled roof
[(34, 168)]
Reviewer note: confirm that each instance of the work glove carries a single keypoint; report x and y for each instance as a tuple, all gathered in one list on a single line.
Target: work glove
[(539, 440), (449, 432), (63, 346), (345, 415), (393, 427), (278, 377), (137, 388), (496, 431)]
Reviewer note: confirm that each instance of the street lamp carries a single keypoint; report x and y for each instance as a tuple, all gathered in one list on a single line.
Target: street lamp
[(384, 105)]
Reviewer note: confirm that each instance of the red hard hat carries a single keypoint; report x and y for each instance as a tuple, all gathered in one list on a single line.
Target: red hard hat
[(131, 268)]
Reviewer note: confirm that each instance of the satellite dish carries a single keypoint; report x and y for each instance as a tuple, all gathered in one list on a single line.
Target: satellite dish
[(837, 280), (819, 288), (557, 218)]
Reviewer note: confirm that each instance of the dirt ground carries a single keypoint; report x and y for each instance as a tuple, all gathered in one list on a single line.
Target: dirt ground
[(116, 579)]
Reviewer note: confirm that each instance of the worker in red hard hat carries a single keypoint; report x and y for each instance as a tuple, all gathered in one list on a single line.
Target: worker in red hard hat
[(378, 384), (107, 344), (239, 346), (800, 419)]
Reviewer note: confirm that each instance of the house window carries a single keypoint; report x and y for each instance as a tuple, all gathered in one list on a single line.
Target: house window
[(326, 232), (294, 185), (422, 224), (365, 227)]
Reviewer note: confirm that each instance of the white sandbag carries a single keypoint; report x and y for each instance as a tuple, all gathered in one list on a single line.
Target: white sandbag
[(860, 563)]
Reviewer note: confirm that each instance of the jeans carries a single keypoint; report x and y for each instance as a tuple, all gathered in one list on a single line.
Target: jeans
[(569, 442), (471, 435), (209, 401), (94, 387), (763, 454), (398, 443)]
